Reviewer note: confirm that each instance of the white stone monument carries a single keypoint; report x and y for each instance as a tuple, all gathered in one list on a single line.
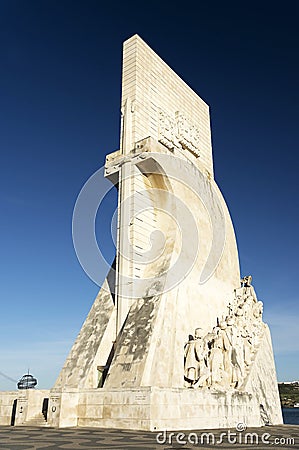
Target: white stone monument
[(174, 339)]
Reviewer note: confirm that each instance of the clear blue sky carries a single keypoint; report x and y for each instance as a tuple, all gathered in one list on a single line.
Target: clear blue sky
[(60, 110)]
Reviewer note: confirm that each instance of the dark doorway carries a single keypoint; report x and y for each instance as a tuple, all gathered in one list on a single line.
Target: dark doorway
[(45, 408), (13, 412)]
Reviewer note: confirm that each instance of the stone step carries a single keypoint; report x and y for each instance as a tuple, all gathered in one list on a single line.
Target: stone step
[(37, 421)]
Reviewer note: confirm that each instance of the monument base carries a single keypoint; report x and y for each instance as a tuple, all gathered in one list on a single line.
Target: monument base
[(147, 408), (157, 409)]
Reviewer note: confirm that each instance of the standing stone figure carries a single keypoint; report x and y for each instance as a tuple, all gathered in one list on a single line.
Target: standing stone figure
[(246, 281), (195, 365), (247, 346), (217, 364), (238, 359), (227, 351)]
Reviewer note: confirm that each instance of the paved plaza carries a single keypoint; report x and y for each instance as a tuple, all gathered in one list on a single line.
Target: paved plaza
[(23, 438)]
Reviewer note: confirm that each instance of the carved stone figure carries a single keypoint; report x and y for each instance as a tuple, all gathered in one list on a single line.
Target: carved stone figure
[(195, 365), (227, 351), (258, 310), (246, 281), (247, 307), (247, 346), (238, 370), (216, 364)]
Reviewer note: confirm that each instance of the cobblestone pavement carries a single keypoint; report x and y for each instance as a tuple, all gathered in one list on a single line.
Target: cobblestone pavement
[(23, 438)]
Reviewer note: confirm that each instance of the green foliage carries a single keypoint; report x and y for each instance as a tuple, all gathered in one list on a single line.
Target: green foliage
[(289, 394)]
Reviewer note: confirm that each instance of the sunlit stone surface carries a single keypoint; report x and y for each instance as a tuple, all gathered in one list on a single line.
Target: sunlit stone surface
[(174, 339)]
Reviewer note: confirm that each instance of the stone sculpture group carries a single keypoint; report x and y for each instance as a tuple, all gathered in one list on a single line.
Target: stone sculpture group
[(222, 357)]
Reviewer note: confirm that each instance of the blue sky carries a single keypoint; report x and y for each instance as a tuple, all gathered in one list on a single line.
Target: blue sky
[(60, 78)]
